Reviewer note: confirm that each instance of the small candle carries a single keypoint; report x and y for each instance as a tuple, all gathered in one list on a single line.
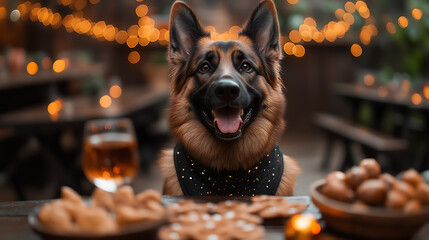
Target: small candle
[(302, 227)]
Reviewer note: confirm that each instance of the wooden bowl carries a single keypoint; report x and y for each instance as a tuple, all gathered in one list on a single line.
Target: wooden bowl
[(371, 222)]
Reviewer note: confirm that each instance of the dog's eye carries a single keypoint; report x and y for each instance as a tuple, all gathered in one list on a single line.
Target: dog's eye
[(205, 68), (246, 67)]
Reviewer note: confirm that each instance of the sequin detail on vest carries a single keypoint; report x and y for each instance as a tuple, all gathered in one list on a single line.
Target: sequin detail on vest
[(198, 180)]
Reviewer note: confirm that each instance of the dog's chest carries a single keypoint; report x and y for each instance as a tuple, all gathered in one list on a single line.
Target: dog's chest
[(198, 180)]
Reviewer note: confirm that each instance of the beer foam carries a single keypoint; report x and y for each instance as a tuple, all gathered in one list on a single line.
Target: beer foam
[(110, 137)]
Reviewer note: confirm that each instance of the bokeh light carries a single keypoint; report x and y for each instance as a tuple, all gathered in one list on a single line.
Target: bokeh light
[(417, 13), (416, 99), (292, 1), (115, 91), (426, 91), (105, 101), (369, 79), (32, 68), (391, 28), (356, 50), (288, 48), (403, 22), (59, 65), (15, 15), (134, 57), (298, 50), (142, 10)]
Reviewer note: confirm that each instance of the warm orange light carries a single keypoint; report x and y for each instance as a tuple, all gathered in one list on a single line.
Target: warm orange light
[(132, 41), (416, 99), (356, 50), (32, 68), (59, 65), (364, 12), (360, 4), (133, 30), (298, 50), (146, 20), (294, 36), (52, 108), (116, 169), (94, 1), (115, 91), (56, 21), (382, 91), (288, 48), (348, 18), (110, 33), (426, 91), (306, 36), (144, 42), (417, 13), (133, 57), (369, 79), (105, 101), (330, 35), (318, 37), (403, 22), (154, 35), (3, 13), (167, 36), (365, 37), (292, 1), (55, 106), (339, 13), (302, 226), (106, 174), (144, 31), (310, 22), (84, 26), (142, 10), (121, 37), (349, 7), (99, 29), (391, 28)]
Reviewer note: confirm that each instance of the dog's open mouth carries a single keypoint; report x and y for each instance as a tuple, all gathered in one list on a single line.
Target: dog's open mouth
[(228, 122)]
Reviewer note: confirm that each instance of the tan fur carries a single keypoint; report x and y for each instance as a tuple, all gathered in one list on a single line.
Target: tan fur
[(257, 140)]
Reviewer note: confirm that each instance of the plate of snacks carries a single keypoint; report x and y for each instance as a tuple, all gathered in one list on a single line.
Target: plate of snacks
[(122, 215), (363, 202), (231, 219)]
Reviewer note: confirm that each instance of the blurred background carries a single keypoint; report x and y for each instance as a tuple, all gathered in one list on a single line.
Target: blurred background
[(356, 76)]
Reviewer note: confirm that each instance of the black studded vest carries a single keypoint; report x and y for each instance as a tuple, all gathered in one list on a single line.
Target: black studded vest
[(198, 180)]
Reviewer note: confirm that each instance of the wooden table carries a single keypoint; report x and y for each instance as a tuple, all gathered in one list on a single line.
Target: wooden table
[(83, 108), (139, 103), (14, 225), (398, 101)]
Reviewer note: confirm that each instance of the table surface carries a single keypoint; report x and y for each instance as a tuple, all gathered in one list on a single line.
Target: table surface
[(49, 76), (14, 225), (83, 108), (359, 91)]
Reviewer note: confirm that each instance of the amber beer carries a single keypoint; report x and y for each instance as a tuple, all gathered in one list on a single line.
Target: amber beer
[(110, 159)]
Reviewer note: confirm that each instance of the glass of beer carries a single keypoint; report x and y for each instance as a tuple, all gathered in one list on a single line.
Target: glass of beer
[(110, 155)]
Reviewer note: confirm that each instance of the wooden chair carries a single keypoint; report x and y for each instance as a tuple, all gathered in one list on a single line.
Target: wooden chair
[(373, 141)]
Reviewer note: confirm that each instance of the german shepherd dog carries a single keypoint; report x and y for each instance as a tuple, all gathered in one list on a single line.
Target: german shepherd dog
[(226, 109)]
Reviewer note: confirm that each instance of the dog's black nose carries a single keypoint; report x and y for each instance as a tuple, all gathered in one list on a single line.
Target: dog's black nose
[(227, 90)]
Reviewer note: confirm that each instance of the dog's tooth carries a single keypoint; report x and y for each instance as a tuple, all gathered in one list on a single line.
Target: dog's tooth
[(213, 113), (241, 113)]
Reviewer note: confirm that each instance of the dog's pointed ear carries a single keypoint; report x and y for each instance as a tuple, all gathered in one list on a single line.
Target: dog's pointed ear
[(185, 30), (263, 28)]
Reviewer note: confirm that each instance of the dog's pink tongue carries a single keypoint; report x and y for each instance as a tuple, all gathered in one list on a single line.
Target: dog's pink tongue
[(228, 119)]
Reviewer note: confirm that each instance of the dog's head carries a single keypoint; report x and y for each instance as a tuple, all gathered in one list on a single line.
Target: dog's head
[(226, 91)]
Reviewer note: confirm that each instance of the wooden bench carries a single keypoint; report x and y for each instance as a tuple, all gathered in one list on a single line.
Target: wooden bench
[(349, 132)]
